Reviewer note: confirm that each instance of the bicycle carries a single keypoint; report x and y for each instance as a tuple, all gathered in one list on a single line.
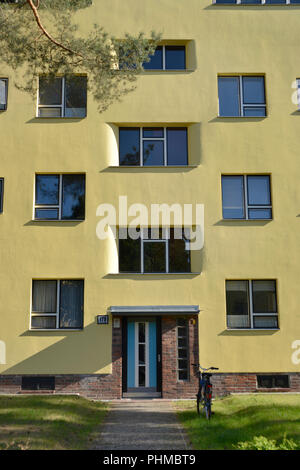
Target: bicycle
[(205, 385)]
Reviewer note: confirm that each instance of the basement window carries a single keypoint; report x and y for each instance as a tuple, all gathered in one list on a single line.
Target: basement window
[(273, 381), (38, 383)]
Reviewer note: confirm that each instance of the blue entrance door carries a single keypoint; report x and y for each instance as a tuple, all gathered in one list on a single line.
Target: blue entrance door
[(141, 354)]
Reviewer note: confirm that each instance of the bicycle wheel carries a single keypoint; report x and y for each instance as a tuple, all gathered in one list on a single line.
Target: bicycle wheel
[(198, 404), (208, 410)]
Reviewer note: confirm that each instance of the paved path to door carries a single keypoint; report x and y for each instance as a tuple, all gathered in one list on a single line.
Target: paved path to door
[(141, 425)]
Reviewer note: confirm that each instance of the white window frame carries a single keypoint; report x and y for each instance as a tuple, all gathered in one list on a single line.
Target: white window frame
[(243, 105), (136, 333), (60, 197), (245, 195), (61, 106), (51, 314), (5, 80), (250, 307)]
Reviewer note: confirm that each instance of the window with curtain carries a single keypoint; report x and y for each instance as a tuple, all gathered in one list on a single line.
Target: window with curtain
[(251, 304), (57, 304)]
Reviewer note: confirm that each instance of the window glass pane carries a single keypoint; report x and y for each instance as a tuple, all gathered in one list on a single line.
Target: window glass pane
[(50, 112), (73, 197), (1, 194), (142, 376), (75, 97), (46, 214), (175, 57), (46, 189), (71, 304), (177, 149), (281, 381), (253, 90), (254, 112), (44, 296), (153, 132), (142, 333), (260, 213), (179, 255), (153, 152), (237, 304), (229, 103), (50, 91), (129, 255), (265, 322), (250, 1), (154, 257), (142, 354), (275, 1), (182, 375), (264, 297), (3, 84), (156, 60), (294, 1), (44, 323), (258, 190), (225, 1), (129, 144), (233, 197)]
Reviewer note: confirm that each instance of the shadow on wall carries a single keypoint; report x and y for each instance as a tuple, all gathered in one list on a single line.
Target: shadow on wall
[(78, 352)]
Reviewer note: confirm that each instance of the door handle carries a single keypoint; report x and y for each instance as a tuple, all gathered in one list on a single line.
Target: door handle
[(158, 357)]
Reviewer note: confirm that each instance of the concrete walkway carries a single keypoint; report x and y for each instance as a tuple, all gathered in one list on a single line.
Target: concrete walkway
[(141, 425)]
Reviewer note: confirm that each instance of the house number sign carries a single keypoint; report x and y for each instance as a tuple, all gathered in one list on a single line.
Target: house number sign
[(102, 319)]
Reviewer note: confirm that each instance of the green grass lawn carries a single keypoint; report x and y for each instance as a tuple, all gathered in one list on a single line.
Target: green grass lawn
[(49, 422), (241, 418)]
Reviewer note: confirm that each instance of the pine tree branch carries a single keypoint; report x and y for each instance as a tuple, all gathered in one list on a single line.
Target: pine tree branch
[(34, 9)]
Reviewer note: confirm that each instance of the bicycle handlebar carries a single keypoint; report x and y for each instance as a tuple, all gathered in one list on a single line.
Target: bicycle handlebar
[(202, 368)]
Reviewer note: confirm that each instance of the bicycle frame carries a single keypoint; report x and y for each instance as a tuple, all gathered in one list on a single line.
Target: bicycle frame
[(205, 386)]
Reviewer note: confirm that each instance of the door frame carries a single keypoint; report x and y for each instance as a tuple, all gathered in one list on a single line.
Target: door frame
[(158, 353)]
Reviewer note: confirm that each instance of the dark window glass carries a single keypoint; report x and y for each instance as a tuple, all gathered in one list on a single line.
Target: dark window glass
[(46, 214), (50, 91), (153, 152), (142, 376), (229, 103), (71, 304), (225, 1), (275, 1), (177, 146), (43, 322), (273, 381), (142, 334), (38, 383), (237, 304), (258, 190), (254, 112), (156, 60), (251, 1), (3, 94), (129, 255), (179, 255), (73, 203), (75, 96), (1, 193), (294, 1), (153, 132), (44, 296), (253, 90), (129, 145), (233, 197), (268, 321), (154, 257), (260, 213), (175, 57), (264, 296), (47, 189)]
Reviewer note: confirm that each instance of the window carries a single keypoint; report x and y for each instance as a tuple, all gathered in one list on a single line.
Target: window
[(182, 349), (37, 383), (1, 194), (60, 197), (167, 58), (3, 94), (62, 97), (57, 304), (158, 252), (273, 381), (251, 304), (254, 2), (153, 146), (242, 96), (246, 197)]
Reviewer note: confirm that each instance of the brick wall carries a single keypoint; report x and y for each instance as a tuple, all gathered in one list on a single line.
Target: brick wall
[(171, 387)]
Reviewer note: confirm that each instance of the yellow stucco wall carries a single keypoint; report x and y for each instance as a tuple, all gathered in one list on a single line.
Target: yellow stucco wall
[(223, 39)]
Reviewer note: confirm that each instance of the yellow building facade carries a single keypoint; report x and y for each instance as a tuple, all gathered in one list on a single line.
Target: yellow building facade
[(190, 309)]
